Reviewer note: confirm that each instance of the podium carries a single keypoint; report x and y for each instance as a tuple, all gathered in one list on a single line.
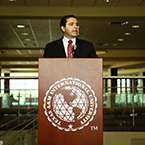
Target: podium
[(70, 107)]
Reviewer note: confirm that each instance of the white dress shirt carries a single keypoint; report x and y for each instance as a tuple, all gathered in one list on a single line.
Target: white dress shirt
[(65, 43)]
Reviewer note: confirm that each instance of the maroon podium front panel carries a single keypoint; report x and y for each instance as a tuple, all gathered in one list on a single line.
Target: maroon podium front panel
[(70, 110)]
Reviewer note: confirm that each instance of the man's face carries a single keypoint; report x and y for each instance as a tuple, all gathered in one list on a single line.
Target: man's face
[(71, 28)]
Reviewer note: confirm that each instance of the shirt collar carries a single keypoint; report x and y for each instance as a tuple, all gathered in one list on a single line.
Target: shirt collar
[(66, 40)]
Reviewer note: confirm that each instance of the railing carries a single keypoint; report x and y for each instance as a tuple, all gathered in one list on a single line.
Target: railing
[(19, 136), (126, 91), (21, 91), (33, 112), (123, 101), (17, 132)]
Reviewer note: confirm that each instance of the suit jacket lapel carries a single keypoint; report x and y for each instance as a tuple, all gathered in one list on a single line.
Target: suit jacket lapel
[(61, 48), (77, 52)]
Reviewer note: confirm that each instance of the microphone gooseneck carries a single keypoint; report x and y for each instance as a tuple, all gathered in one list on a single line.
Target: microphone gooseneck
[(74, 47), (73, 50)]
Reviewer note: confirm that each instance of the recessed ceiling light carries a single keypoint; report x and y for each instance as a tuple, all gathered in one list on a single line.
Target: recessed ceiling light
[(24, 34), (120, 39), (135, 26), (100, 52), (115, 44), (20, 26), (105, 44), (27, 39), (127, 34), (30, 44), (11, 0), (107, 1)]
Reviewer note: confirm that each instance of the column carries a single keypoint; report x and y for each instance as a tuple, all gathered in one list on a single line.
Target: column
[(112, 87), (143, 83), (0, 80), (0, 90), (143, 102), (6, 83), (6, 96)]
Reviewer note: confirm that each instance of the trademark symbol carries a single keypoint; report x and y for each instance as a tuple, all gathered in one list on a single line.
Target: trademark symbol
[(94, 127)]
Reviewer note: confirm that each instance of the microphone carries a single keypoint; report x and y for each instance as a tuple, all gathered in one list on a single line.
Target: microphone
[(74, 47)]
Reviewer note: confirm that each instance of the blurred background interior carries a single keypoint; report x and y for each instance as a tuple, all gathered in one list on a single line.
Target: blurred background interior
[(117, 30)]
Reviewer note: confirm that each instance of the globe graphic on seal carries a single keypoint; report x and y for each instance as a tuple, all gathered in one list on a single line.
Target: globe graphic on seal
[(72, 106)]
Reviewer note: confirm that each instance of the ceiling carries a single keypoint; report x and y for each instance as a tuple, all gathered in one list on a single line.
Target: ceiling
[(100, 23)]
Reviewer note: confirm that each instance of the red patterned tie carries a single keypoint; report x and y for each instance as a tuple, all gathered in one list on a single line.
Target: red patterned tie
[(69, 49)]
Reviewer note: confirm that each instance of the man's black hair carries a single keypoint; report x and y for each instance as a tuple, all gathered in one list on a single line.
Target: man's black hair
[(64, 19)]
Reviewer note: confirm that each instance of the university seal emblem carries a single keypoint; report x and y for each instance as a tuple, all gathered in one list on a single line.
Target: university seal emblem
[(70, 104)]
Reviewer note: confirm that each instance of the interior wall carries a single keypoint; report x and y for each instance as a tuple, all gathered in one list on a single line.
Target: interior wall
[(124, 138)]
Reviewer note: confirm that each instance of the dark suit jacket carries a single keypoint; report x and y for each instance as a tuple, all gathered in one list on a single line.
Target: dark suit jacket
[(84, 49)]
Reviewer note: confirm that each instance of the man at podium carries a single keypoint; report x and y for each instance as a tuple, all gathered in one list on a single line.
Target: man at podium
[(69, 46)]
